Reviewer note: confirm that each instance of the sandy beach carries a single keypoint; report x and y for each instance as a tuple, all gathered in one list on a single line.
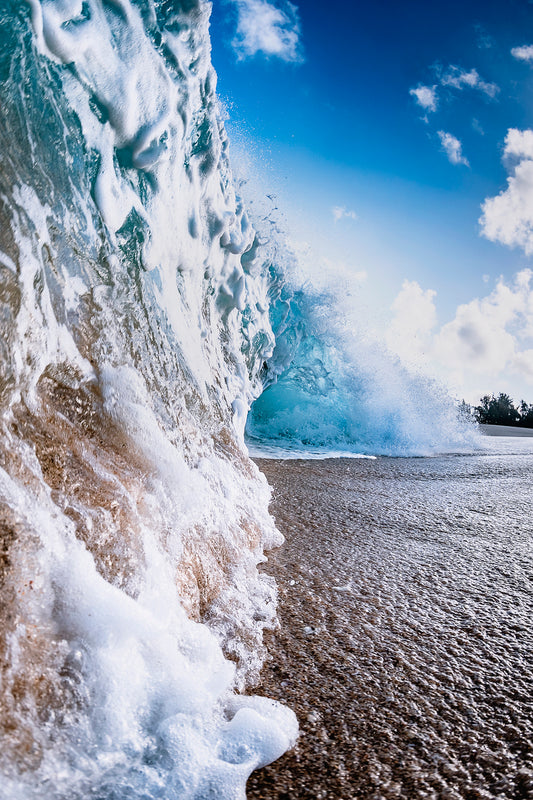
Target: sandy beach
[(406, 628), (505, 430)]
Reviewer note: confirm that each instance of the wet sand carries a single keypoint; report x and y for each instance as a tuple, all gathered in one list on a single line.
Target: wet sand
[(406, 633)]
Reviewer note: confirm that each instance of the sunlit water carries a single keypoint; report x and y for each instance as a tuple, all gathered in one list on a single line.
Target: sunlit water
[(406, 595)]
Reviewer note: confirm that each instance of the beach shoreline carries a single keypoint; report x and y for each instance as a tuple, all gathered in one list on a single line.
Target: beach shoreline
[(505, 430)]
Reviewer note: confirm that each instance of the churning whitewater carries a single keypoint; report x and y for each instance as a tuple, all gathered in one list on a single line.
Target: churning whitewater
[(134, 317), (139, 317)]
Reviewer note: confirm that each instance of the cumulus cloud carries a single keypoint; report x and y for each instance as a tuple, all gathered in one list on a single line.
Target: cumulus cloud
[(414, 318), (458, 78), (488, 339), (518, 144), (453, 148), (272, 29), (479, 337), (523, 364), (524, 53), (340, 212), (508, 218), (488, 343), (425, 96)]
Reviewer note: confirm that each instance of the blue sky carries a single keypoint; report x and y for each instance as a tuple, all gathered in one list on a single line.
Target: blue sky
[(383, 128)]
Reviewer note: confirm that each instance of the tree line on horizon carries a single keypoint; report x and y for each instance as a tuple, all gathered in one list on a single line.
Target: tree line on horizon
[(500, 410)]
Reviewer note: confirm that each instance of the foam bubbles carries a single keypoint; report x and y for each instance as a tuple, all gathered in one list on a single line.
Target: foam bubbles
[(133, 521)]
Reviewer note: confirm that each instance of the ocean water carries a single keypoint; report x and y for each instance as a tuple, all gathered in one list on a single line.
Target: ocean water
[(148, 333), (406, 645)]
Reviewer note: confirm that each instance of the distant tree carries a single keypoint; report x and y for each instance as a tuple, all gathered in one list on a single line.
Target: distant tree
[(497, 410), (526, 415), (483, 412)]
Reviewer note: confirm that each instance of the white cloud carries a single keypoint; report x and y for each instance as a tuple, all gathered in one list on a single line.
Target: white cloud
[(478, 339), (340, 212), (487, 346), (414, 318), (524, 53), (518, 144), (425, 96), (267, 28), (453, 148), (523, 364), (458, 78), (508, 218)]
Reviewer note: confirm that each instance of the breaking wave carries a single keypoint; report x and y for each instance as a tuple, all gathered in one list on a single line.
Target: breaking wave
[(134, 315), (332, 388)]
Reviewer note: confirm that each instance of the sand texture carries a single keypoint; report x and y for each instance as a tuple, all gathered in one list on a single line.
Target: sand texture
[(406, 629)]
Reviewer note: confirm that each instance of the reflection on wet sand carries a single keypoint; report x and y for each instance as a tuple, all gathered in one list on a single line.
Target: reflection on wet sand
[(406, 627)]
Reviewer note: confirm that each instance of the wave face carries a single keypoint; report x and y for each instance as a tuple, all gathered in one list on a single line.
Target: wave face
[(134, 316), (331, 389)]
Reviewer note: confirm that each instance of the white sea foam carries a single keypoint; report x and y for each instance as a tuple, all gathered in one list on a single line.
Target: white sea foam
[(136, 314), (159, 685)]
